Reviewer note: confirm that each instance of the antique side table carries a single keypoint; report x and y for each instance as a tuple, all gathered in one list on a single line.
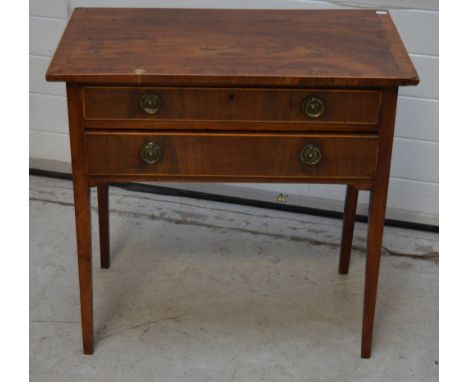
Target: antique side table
[(301, 96)]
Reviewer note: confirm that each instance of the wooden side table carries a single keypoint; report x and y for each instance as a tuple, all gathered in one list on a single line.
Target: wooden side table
[(231, 95)]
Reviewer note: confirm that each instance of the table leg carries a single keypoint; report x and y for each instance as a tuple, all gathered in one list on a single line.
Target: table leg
[(103, 211), (83, 238), (377, 205), (82, 213), (348, 229)]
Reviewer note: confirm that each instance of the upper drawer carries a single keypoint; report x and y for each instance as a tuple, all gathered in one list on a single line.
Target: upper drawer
[(220, 104)]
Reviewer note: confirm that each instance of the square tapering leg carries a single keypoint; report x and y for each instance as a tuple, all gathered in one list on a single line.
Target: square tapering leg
[(82, 215), (377, 206), (83, 237), (103, 211), (348, 229)]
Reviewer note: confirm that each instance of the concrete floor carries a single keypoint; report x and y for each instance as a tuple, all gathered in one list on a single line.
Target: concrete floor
[(205, 291)]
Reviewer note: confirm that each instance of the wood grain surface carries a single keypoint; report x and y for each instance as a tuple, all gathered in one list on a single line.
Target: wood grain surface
[(217, 104), (82, 215), (224, 155), (300, 48)]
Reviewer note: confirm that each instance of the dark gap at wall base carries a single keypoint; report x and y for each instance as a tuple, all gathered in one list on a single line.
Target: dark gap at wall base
[(161, 190)]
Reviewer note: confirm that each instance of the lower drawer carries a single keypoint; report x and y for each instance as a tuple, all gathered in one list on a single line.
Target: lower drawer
[(225, 155)]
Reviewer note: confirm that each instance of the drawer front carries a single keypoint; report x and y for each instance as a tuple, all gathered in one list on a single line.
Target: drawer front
[(232, 155), (207, 104)]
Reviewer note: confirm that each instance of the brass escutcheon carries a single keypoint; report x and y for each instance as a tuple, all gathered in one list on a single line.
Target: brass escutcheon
[(150, 153), (313, 107), (150, 103), (311, 155)]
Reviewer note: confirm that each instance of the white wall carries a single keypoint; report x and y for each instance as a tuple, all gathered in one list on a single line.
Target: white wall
[(413, 194)]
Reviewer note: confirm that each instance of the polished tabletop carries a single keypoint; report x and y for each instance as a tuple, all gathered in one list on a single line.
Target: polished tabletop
[(300, 48)]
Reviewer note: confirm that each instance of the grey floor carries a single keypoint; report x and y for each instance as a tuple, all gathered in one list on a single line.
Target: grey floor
[(205, 291)]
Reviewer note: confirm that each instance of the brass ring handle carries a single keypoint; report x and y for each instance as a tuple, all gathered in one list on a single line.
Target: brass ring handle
[(313, 107), (151, 153), (311, 155), (150, 103)]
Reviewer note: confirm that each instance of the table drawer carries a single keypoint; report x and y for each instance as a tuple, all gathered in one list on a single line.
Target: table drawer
[(232, 155), (208, 104)]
